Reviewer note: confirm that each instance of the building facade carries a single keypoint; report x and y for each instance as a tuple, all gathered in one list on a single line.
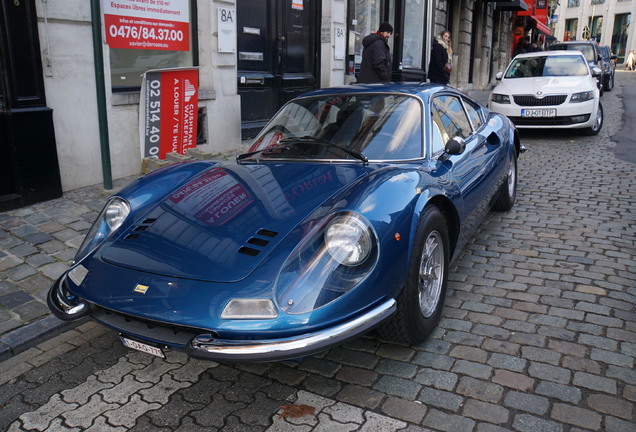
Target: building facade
[(609, 22), (251, 58)]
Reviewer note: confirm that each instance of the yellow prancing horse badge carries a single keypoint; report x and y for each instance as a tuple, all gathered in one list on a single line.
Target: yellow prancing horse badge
[(141, 288)]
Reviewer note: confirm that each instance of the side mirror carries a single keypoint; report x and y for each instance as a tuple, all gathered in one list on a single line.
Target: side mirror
[(455, 146), (499, 76), (596, 72)]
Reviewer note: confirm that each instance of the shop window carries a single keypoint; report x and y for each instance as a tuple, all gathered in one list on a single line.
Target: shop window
[(595, 25), (413, 49), (619, 35), (571, 27), (367, 15), (127, 65)]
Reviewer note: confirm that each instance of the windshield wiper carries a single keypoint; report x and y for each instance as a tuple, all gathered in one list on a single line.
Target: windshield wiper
[(318, 141), (268, 150)]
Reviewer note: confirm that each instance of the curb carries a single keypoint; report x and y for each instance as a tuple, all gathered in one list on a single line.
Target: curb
[(32, 334)]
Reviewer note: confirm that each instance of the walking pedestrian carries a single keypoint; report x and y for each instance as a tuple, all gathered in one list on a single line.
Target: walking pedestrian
[(376, 63), (630, 63), (441, 65)]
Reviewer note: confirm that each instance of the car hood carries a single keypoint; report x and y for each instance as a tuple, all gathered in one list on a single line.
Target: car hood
[(545, 85), (221, 224)]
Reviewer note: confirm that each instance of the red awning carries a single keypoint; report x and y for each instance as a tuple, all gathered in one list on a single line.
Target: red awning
[(540, 26)]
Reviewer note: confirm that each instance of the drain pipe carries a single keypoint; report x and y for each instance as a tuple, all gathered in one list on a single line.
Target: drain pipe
[(98, 55)]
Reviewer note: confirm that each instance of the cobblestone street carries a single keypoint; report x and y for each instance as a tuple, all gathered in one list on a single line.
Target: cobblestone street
[(538, 332)]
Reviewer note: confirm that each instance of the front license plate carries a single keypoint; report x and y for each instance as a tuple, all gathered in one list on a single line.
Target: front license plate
[(142, 347), (538, 113)]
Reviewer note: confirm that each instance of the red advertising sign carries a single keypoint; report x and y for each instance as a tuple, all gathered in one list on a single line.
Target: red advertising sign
[(169, 111), (147, 24)]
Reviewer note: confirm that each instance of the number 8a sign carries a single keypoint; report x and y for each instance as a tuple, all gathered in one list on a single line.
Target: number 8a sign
[(226, 21)]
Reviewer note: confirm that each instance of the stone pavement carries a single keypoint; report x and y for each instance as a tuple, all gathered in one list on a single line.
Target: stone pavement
[(131, 391), (538, 332)]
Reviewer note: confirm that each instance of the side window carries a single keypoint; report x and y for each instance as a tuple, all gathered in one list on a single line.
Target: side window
[(438, 141), (473, 111), (452, 117)]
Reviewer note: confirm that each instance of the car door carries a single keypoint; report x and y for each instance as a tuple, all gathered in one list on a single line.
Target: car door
[(477, 171)]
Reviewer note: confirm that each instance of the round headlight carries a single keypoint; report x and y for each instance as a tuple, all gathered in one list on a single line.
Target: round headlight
[(115, 213), (348, 240), (109, 220)]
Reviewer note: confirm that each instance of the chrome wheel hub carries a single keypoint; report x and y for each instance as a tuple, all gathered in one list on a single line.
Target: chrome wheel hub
[(431, 274)]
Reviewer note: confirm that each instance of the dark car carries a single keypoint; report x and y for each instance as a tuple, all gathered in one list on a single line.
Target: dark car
[(345, 215), (609, 66), (592, 53)]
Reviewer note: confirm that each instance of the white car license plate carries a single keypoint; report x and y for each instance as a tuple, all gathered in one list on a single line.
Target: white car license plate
[(142, 347), (538, 113)]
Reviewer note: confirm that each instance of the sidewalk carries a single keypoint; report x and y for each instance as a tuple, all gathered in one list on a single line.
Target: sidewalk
[(37, 244)]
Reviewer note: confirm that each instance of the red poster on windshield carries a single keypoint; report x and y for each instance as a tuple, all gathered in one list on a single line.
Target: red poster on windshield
[(170, 111), (147, 24)]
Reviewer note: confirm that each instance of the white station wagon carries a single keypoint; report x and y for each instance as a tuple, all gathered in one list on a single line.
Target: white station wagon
[(549, 89)]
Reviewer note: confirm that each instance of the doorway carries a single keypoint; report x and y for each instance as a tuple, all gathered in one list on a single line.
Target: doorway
[(277, 56)]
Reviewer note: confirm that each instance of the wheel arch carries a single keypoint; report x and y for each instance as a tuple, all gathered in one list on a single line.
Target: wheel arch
[(449, 211)]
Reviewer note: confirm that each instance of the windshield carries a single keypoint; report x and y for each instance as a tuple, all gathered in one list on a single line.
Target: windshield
[(586, 49), (354, 126), (565, 65)]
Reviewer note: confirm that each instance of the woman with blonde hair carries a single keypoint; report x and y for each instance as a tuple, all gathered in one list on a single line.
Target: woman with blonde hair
[(441, 65), (630, 63)]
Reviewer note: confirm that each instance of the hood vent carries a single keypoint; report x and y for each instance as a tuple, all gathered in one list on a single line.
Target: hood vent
[(140, 228), (257, 243)]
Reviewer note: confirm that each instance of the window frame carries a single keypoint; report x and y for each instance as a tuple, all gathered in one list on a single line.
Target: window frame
[(194, 50)]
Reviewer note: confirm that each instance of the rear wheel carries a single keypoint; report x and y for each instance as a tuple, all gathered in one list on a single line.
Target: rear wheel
[(420, 303), (596, 127)]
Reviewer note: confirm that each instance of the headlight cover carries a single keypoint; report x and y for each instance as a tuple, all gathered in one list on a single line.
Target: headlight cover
[(109, 220), (348, 239), (500, 98), (582, 97), (331, 260)]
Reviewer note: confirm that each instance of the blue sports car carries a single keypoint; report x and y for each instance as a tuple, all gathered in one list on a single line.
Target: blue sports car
[(344, 216)]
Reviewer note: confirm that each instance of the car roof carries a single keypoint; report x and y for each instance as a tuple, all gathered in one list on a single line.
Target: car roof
[(576, 43), (554, 53)]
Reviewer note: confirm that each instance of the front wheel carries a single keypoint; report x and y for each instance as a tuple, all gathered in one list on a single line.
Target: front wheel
[(419, 305), (507, 194), (598, 123)]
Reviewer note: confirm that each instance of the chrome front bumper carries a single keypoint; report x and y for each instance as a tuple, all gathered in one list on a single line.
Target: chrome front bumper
[(209, 348), (205, 346), (64, 305)]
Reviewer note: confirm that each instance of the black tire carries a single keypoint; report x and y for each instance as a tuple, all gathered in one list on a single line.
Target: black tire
[(419, 305), (507, 194), (609, 85), (598, 124)]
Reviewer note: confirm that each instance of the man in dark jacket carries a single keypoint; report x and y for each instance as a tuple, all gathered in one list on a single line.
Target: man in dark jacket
[(376, 57)]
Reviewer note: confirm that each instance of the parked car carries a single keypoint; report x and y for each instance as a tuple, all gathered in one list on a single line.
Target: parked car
[(592, 53), (346, 214), (609, 67), (549, 89)]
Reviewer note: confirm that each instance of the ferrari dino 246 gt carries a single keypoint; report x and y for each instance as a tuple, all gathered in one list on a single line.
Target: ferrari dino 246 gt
[(344, 216)]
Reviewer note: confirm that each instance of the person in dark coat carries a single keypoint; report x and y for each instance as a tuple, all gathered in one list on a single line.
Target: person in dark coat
[(376, 56), (438, 71)]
